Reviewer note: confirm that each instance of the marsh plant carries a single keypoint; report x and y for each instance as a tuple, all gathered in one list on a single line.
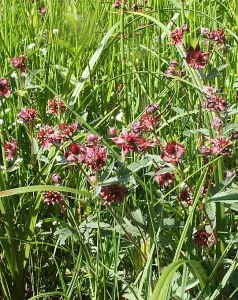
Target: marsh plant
[(118, 149)]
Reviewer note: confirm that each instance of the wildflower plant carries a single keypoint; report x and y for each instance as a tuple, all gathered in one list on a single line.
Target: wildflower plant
[(118, 159)]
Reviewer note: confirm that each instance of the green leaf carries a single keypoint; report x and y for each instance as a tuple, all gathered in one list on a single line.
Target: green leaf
[(42, 188), (162, 286), (216, 72), (229, 197)]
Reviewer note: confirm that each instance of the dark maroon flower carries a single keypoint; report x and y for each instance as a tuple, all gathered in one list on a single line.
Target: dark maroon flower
[(4, 88), (11, 149), (202, 238), (196, 58), (173, 152), (19, 63), (55, 106), (27, 114), (56, 178), (112, 131), (164, 179), (53, 197), (113, 193), (186, 196)]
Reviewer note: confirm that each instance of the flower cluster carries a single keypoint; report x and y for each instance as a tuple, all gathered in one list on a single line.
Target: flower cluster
[(172, 71), (55, 106), (27, 114), (202, 238), (216, 35), (53, 197), (4, 88), (19, 63), (93, 155), (11, 149), (186, 196), (114, 193), (133, 140), (48, 135), (219, 146), (164, 178), (213, 101), (173, 152), (177, 34)]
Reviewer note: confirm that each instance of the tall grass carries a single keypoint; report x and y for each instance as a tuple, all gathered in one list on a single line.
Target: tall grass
[(108, 64)]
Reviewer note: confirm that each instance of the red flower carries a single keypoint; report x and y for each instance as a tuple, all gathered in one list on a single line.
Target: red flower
[(149, 122), (173, 152), (216, 35), (186, 196), (177, 34), (113, 193), (144, 145), (27, 114), (19, 62), (152, 108), (215, 103), (67, 130), (45, 136), (94, 156), (42, 11), (55, 106), (196, 58), (4, 88), (202, 238), (93, 138), (112, 131), (217, 124), (221, 146), (11, 149), (128, 141), (76, 153), (53, 197), (164, 179), (56, 178)]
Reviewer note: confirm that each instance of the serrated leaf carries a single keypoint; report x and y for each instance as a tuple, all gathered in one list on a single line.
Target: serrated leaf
[(210, 208), (229, 197)]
